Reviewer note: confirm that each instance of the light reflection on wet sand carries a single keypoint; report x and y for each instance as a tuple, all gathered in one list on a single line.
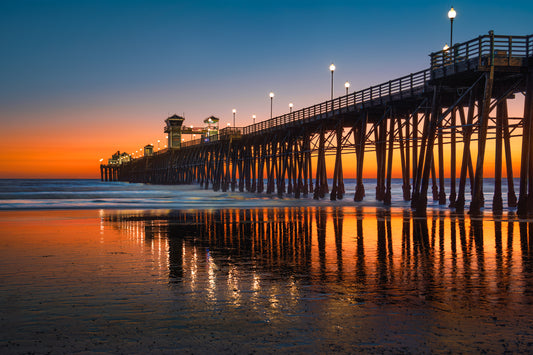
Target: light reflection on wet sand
[(295, 279)]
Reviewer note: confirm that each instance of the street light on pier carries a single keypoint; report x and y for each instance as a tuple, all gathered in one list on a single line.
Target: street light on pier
[(332, 69), (290, 107), (347, 86), (234, 112), (451, 16), (271, 100), (253, 117), (158, 141)]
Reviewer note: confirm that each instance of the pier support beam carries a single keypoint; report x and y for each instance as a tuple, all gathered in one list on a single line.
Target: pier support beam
[(380, 134), (442, 191), (477, 198), (497, 202), (404, 157), (360, 139), (387, 197), (426, 156), (526, 169), (511, 196), (453, 158), (321, 183), (337, 190)]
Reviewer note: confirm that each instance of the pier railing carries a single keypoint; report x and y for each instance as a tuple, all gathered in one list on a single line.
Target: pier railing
[(397, 89), (478, 52), (224, 133), (504, 50)]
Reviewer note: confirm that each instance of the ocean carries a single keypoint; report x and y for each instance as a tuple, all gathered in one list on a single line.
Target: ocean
[(93, 194), (108, 267)]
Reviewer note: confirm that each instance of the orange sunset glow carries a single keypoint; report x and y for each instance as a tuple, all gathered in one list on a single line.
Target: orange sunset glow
[(73, 147)]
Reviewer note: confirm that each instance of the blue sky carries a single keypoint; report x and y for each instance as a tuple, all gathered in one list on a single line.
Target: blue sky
[(227, 52), (135, 62)]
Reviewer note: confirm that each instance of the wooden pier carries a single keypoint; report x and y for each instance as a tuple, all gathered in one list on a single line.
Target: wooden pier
[(452, 108)]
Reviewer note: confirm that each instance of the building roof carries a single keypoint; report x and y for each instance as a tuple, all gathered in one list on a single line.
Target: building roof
[(211, 119)]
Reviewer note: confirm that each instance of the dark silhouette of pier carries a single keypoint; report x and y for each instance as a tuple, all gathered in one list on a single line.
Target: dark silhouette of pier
[(460, 101)]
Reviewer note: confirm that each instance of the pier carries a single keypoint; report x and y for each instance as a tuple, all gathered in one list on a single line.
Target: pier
[(425, 122)]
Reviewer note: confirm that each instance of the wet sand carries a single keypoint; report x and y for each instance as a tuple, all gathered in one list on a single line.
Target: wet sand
[(310, 280)]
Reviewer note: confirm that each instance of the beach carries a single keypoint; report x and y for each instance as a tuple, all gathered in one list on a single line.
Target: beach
[(312, 279)]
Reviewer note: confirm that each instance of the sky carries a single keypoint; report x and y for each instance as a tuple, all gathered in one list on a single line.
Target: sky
[(80, 80)]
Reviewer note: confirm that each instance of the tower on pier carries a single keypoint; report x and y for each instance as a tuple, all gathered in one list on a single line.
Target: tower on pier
[(211, 128), (148, 150), (173, 129)]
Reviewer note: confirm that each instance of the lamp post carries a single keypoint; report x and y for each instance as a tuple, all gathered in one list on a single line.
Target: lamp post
[(451, 16), (347, 86), (290, 107), (158, 141), (271, 100), (234, 112), (332, 69), (253, 117)]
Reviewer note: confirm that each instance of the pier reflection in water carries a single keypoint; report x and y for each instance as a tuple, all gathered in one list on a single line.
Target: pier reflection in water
[(357, 275)]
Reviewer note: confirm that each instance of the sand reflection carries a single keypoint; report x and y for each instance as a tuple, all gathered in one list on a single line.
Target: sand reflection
[(360, 253), (364, 279), (306, 279)]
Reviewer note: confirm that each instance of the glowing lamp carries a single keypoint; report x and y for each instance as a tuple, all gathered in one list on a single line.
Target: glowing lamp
[(452, 14)]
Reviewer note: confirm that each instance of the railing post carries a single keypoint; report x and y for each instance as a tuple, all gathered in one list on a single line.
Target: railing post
[(510, 51), (491, 56), (467, 50), (480, 49)]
